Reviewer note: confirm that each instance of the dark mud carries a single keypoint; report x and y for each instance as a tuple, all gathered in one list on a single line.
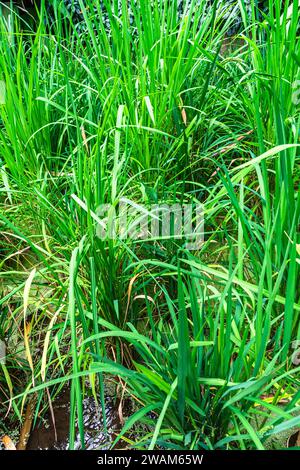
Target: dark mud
[(43, 435)]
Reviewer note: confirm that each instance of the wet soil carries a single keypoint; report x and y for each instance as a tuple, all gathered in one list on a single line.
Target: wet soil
[(43, 436)]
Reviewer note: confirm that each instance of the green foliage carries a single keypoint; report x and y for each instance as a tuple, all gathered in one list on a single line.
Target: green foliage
[(154, 108)]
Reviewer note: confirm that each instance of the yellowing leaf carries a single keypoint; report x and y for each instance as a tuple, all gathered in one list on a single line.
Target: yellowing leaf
[(8, 443), (26, 301), (150, 108)]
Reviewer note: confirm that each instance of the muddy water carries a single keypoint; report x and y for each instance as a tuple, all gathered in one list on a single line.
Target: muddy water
[(43, 436)]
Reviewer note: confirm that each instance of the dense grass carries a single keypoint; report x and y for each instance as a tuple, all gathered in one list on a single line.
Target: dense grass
[(157, 109)]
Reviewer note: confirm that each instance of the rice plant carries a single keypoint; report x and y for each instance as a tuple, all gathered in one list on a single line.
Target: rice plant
[(151, 103)]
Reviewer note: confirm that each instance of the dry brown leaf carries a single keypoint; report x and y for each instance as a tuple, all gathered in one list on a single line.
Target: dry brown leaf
[(132, 280), (183, 112), (8, 443), (142, 296)]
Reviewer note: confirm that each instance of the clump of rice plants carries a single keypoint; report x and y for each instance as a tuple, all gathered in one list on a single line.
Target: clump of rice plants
[(152, 104)]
